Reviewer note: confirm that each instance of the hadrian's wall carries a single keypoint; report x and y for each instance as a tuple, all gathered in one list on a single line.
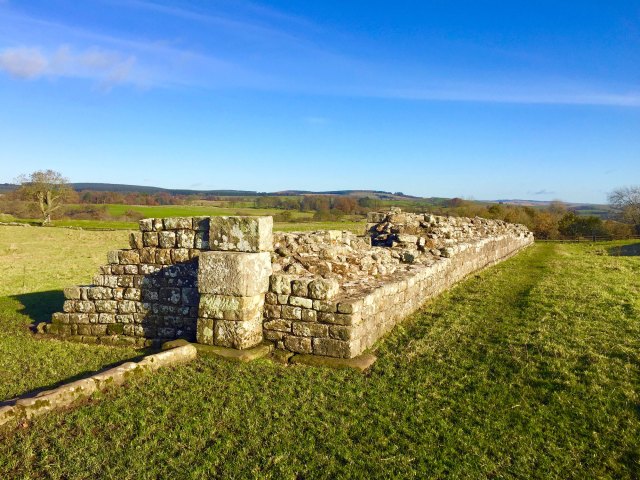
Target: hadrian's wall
[(230, 281)]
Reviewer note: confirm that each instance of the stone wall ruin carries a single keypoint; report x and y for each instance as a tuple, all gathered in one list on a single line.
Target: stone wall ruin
[(232, 282)]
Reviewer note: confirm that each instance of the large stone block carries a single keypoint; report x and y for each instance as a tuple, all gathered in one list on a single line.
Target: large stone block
[(227, 307), (241, 234), (238, 335), (335, 348), (234, 273), (323, 288)]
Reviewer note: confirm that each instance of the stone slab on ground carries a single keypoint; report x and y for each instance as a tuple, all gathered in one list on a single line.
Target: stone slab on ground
[(65, 395), (247, 355), (361, 363)]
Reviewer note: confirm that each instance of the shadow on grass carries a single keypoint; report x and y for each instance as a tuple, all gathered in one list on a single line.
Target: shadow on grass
[(79, 376), (39, 306), (632, 250)]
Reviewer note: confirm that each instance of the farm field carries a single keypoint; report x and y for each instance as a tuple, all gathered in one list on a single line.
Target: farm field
[(300, 221), (530, 369)]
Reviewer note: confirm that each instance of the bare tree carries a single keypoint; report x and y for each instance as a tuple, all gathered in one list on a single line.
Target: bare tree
[(47, 189), (627, 201)]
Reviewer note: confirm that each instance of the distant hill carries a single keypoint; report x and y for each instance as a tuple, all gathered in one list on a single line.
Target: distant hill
[(124, 188), (584, 208)]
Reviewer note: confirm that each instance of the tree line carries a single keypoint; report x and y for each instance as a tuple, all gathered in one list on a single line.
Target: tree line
[(46, 191)]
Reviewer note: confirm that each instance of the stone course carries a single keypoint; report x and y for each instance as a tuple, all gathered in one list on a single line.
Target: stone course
[(232, 282)]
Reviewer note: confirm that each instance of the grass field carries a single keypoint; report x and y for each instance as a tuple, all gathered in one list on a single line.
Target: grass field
[(530, 369)]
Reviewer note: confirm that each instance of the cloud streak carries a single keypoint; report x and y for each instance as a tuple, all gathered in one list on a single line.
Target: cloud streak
[(247, 46), (29, 62)]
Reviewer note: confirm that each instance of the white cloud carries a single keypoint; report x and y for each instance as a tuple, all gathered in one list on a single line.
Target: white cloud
[(108, 67), (23, 62)]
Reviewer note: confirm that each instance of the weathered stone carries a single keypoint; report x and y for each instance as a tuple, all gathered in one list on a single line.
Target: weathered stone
[(175, 223), (150, 239), (146, 224), (106, 306), (135, 240), (179, 255), (350, 306), (240, 335), (230, 307), (272, 311), (310, 329), (300, 302), (99, 293), (167, 239), (309, 315), (300, 287), (163, 256), (158, 224), (325, 306), (278, 325), (185, 238), (241, 234), (232, 273), (130, 269), (72, 293), (113, 256), (291, 313), (129, 257), (298, 344), (323, 289), (333, 348), (281, 284)]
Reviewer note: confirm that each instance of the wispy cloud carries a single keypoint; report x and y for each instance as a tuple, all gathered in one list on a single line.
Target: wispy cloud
[(492, 93), (239, 44), (110, 68)]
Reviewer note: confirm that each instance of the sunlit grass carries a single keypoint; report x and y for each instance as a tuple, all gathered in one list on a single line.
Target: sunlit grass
[(530, 369)]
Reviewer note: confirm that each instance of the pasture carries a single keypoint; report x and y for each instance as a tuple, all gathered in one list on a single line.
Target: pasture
[(530, 369)]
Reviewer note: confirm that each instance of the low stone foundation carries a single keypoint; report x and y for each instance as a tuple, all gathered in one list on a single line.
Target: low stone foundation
[(231, 282)]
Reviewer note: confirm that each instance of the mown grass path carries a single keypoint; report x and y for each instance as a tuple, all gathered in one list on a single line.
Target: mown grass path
[(530, 369)]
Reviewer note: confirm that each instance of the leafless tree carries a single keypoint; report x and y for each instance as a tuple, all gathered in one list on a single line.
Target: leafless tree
[(626, 200), (47, 189)]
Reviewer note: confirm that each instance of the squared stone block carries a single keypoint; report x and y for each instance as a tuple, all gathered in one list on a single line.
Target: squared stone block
[(228, 307), (241, 234), (323, 288), (330, 347), (234, 273), (175, 223), (298, 344), (239, 335)]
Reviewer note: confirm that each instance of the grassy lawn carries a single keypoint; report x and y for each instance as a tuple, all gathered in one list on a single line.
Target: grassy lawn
[(530, 369)]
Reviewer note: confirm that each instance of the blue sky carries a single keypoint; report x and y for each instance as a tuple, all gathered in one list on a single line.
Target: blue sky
[(477, 99)]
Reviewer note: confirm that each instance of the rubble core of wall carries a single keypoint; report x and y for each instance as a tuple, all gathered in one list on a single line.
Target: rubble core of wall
[(145, 294), (334, 293)]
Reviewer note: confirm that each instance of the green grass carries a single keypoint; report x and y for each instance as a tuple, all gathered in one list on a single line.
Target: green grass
[(35, 263), (530, 369)]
